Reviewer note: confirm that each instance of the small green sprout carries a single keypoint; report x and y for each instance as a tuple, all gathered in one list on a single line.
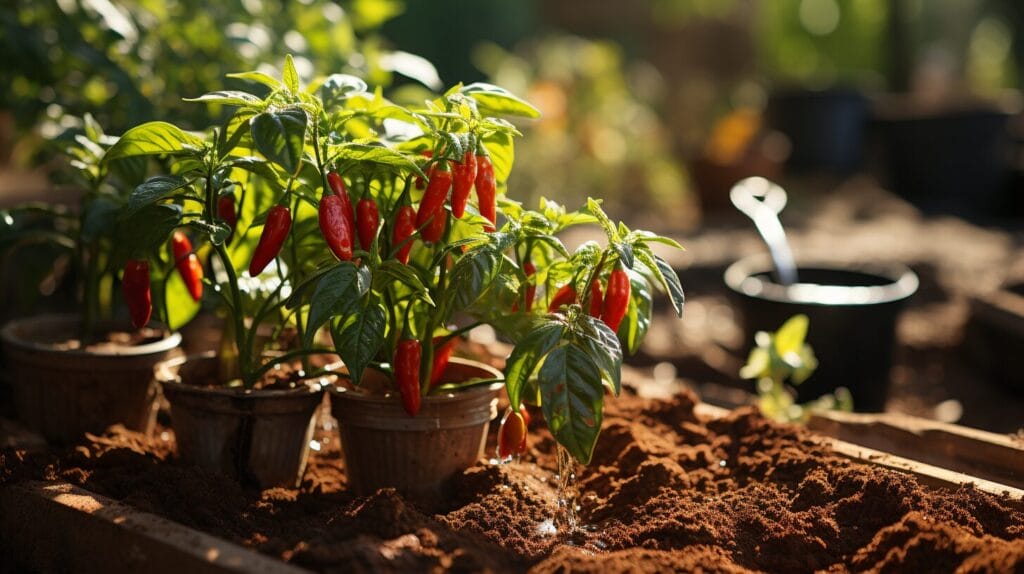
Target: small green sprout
[(785, 356)]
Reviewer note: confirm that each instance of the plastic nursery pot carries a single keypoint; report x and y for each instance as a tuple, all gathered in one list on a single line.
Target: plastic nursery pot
[(385, 447), (949, 162), (258, 437), (64, 392), (852, 312), (825, 127)]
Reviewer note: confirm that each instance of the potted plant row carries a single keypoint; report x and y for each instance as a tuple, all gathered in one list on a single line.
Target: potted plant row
[(327, 221)]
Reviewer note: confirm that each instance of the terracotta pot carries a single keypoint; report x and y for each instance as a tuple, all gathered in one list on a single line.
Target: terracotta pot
[(852, 310), (258, 437), (385, 447), (64, 393)]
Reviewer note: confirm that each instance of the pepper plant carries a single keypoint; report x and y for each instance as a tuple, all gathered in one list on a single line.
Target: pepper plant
[(385, 226), (91, 236)]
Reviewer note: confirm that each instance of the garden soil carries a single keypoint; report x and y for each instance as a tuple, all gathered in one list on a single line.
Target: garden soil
[(666, 491)]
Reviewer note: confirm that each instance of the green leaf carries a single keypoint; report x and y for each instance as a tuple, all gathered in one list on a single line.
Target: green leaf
[(670, 280), (641, 236), (594, 208), (665, 274), (152, 190), (228, 98), (391, 270), (472, 275), (233, 132), (358, 337), (527, 354), (790, 336), (496, 100), (572, 399), (100, 218), (258, 77), (602, 346), (337, 293), (281, 136), (337, 87), (289, 76), (364, 153), (153, 138), (625, 252), (148, 228), (178, 302)]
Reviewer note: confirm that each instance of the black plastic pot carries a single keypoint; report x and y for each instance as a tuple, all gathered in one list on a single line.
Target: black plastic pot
[(852, 312), (994, 334), (951, 162), (825, 127)]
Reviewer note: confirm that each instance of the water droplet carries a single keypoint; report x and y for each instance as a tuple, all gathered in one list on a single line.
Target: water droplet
[(566, 516), (315, 445), (721, 463)]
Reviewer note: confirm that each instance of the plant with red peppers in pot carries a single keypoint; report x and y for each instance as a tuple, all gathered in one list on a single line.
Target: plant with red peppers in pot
[(418, 266), (251, 216), (82, 372)]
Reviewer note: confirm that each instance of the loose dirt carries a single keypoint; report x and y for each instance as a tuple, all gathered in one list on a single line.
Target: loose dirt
[(666, 491)]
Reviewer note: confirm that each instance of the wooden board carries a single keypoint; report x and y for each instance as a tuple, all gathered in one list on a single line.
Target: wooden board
[(928, 474), (62, 528), (990, 456)]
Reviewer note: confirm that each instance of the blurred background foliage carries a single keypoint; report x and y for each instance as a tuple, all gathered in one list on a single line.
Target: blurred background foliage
[(629, 93)]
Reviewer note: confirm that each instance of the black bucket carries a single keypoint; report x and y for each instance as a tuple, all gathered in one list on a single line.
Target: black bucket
[(852, 312)]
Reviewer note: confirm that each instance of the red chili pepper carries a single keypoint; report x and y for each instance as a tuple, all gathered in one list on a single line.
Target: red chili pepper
[(566, 295), (135, 286), (407, 374), (465, 174), (616, 300), (275, 230), (596, 298), (189, 267), (531, 288), (442, 354), (486, 190), (405, 225), (511, 435), (367, 220), (226, 212), (432, 205), (337, 220)]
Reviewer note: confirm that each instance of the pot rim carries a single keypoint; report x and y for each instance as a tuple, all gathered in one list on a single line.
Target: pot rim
[(9, 336), (173, 382), (902, 283), (450, 396)]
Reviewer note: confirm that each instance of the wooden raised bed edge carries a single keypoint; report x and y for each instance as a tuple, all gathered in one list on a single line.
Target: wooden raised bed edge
[(58, 527)]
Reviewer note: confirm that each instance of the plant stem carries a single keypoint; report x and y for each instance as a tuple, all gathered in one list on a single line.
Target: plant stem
[(244, 362), (585, 300)]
